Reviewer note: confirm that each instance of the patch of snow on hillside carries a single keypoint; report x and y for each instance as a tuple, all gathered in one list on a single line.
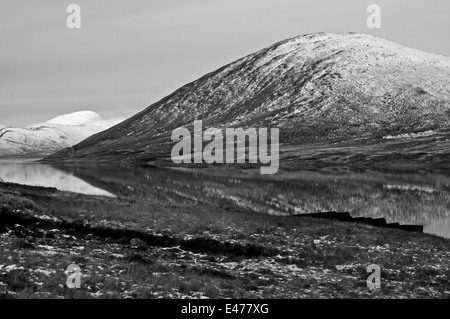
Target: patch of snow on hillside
[(410, 135)]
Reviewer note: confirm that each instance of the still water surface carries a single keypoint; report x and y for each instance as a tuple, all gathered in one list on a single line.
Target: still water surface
[(413, 199), (27, 172)]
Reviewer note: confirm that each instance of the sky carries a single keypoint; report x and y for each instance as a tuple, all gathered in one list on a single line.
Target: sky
[(129, 54)]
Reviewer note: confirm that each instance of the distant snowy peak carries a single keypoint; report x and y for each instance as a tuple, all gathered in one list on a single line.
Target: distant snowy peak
[(51, 136), (76, 118), (82, 118)]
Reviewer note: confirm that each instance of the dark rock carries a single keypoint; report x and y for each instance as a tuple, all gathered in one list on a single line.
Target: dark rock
[(138, 244)]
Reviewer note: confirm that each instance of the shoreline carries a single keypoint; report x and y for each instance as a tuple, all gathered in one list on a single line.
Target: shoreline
[(133, 247)]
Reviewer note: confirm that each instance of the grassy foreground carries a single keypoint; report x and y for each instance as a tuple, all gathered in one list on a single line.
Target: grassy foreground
[(141, 248)]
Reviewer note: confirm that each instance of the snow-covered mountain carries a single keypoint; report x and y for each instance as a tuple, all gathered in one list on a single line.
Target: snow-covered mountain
[(338, 99), (46, 138)]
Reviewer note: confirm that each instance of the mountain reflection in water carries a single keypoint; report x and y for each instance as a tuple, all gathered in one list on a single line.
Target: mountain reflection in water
[(34, 174), (411, 199)]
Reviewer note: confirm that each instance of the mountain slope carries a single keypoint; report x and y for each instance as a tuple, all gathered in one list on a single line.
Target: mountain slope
[(46, 138), (319, 89)]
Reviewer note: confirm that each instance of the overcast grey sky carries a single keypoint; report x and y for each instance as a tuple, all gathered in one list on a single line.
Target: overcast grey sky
[(130, 53)]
